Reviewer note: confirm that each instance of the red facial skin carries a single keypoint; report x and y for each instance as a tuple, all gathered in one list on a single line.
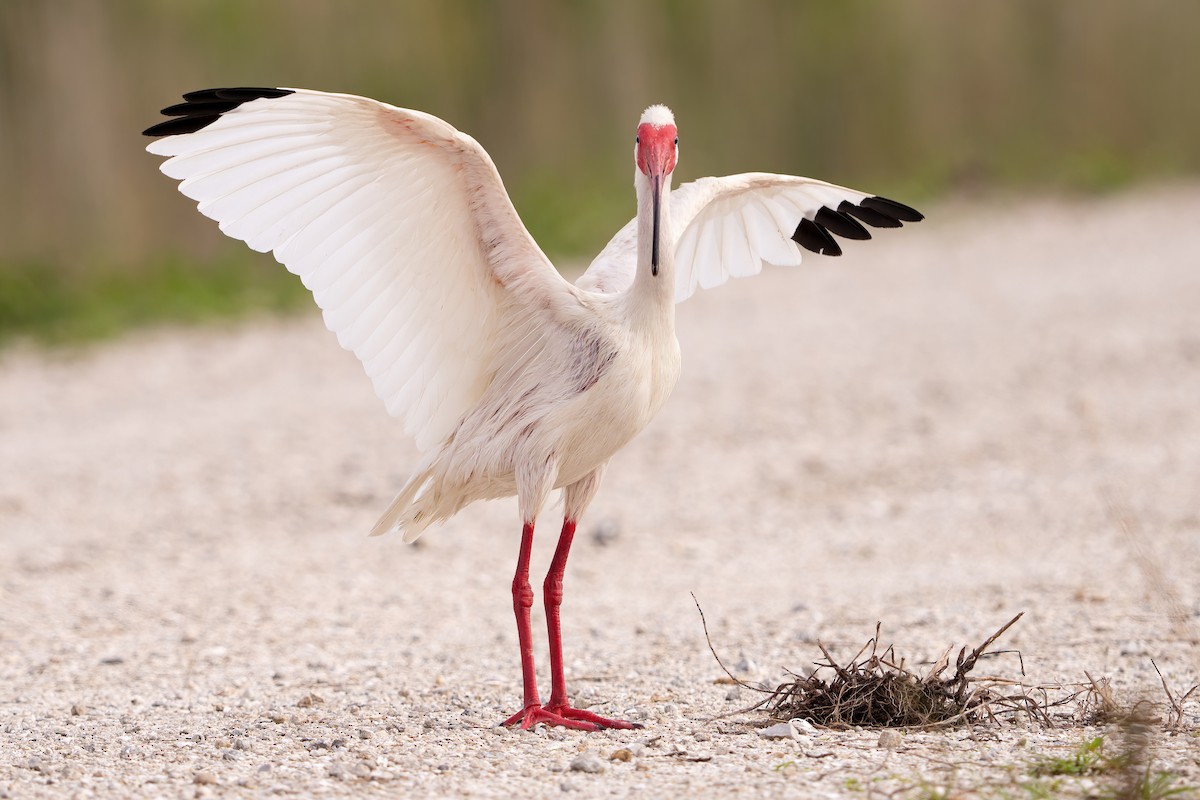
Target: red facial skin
[(656, 149)]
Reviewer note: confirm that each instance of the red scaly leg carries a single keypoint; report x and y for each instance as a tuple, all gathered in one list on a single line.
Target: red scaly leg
[(522, 601), (552, 592), (532, 713)]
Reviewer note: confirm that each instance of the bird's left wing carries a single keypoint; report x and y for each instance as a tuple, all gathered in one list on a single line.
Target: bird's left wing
[(728, 227), (398, 224)]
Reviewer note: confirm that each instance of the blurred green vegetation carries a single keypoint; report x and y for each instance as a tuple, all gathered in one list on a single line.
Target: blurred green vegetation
[(917, 99), (61, 308)]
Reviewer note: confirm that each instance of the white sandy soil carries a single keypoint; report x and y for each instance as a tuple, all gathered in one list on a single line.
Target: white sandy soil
[(997, 410)]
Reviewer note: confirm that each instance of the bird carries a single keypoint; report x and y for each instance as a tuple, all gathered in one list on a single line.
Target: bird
[(510, 379)]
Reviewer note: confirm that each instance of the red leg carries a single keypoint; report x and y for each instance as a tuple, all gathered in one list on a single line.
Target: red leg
[(552, 592), (522, 602), (532, 713)]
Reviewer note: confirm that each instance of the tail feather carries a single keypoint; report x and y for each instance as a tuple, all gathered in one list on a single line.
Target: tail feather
[(401, 514)]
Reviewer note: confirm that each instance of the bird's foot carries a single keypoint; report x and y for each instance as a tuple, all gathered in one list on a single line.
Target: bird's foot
[(567, 712), (533, 714), (565, 717)]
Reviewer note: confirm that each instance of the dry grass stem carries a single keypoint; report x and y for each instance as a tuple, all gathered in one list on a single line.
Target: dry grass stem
[(874, 688), (1174, 719)]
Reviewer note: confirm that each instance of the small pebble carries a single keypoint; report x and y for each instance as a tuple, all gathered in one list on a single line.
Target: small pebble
[(309, 700), (587, 762), (346, 772), (780, 731), (606, 532), (624, 754), (204, 779), (802, 727), (78, 710), (890, 740)]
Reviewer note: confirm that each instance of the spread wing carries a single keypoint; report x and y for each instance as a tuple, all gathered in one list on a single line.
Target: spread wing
[(398, 224), (728, 227)]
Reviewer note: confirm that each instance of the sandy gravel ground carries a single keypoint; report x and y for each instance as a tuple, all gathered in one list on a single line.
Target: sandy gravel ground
[(995, 411)]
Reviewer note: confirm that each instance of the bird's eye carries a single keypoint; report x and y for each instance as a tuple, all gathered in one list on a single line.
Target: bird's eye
[(677, 141), (637, 140)]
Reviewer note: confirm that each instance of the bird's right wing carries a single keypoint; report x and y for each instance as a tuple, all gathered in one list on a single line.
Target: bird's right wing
[(398, 224), (728, 227)]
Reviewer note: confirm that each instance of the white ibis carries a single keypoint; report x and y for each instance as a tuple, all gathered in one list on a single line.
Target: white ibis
[(510, 379)]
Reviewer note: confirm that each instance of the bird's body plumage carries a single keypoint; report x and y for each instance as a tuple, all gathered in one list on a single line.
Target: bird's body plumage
[(510, 379), (576, 392)]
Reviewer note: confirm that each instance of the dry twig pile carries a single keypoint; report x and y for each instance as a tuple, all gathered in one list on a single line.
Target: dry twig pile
[(876, 689)]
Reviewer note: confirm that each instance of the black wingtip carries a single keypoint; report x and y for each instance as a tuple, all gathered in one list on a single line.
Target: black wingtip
[(846, 220), (240, 94), (868, 215), (203, 107), (841, 223), (181, 125), (890, 208), (812, 236)]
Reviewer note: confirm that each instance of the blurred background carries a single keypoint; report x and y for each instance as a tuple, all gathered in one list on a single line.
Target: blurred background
[(920, 100)]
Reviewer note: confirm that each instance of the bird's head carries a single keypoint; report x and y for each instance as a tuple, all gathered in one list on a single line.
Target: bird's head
[(656, 146), (656, 149)]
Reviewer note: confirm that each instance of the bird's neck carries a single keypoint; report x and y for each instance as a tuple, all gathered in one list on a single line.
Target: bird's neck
[(651, 298)]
